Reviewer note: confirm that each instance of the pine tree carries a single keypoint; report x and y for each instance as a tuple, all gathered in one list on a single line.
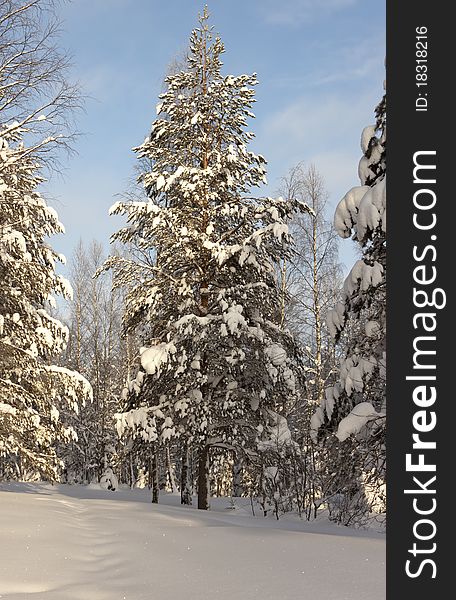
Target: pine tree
[(34, 393), (203, 291)]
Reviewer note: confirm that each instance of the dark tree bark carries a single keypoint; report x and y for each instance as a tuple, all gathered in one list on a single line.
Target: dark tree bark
[(237, 479), (203, 478), (153, 475), (185, 481)]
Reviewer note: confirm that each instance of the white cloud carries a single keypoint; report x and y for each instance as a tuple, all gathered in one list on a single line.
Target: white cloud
[(319, 122), (361, 59), (339, 170), (296, 12), (99, 81), (324, 130)]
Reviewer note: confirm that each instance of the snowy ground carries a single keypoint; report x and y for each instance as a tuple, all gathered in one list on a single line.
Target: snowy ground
[(82, 543)]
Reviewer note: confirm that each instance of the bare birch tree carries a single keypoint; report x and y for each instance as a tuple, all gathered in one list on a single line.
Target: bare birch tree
[(97, 349), (313, 278), (37, 98)]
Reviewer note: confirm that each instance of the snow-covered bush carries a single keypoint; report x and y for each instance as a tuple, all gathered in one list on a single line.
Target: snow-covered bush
[(109, 481)]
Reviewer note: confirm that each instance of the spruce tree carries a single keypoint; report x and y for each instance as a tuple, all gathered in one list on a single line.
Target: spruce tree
[(355, 406), (34, 393), (215, 365), (362, 310)]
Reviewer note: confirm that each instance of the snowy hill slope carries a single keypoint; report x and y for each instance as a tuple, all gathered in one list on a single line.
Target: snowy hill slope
[(78, 543)]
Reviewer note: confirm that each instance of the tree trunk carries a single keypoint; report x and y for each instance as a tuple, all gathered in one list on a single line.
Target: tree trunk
[(316, 306), (185, 481), (153, 475), (132, 473), (170, 472), (203, 478), (283, 293), (237, 480)]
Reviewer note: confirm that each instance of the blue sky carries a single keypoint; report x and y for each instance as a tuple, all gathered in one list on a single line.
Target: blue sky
[(320, 64)]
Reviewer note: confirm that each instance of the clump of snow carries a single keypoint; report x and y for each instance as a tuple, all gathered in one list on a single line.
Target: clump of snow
[(278, 433), (335, 319), (360, 415), (254, 403), (160, 182), (46, 336), (354, 370), (153, 358), (276, 354), (115, 208), (233, 318), (109, 481), (362, 276), (54, 414), (347, 210), (73, 379), (372, 210), (367, 134), (65, 287), (316, 421), (7, 409), (372, 328), (141, 421), (331, 396)]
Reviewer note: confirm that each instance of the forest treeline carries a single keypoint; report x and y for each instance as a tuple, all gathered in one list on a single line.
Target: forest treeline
[(219, 349)]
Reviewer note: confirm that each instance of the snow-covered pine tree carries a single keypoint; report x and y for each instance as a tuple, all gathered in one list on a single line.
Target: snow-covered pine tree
[(215, 362), (34, 393), (356, 404)]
